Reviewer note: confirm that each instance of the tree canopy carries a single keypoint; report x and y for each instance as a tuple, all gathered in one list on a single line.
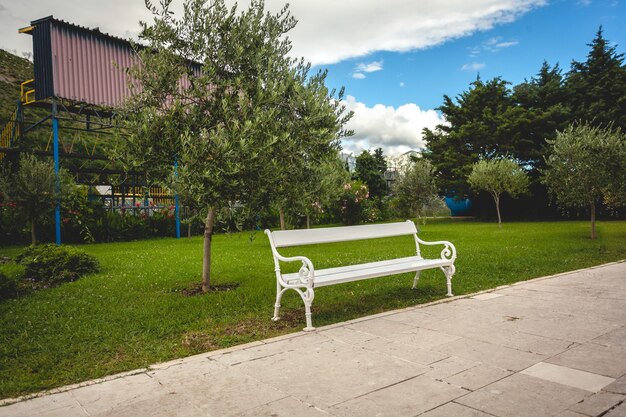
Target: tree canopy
[(498, 176), (586, 167), (415, 187), (370, 169)]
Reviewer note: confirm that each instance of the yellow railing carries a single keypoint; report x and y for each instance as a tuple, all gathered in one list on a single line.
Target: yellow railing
[(10, 130), (140, 192), (27, 92)]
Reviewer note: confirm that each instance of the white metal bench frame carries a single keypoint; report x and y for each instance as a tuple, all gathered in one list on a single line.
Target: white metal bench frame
[(307, 278)]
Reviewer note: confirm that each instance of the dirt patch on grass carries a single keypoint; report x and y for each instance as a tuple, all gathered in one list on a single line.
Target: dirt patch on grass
[(289, 319), (199, 341), (196, 289)]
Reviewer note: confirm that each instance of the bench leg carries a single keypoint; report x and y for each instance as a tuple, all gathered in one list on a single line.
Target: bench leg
[(307, 297), (279, 294), (449, 271), (417, 278)]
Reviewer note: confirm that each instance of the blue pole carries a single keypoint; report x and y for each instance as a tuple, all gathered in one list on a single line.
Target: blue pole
[(176, 206), (57, 208)]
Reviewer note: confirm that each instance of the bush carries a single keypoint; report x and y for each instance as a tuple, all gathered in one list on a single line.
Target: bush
[(9, 285), (11, 279), (352, 202), (50, 265)]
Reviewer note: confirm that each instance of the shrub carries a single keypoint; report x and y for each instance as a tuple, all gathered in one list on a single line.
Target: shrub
[(11, 279), (352, 202), (50, 265), (8, 285)]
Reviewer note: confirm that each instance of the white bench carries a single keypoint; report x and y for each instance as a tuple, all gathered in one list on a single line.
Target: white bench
[(307, 278)]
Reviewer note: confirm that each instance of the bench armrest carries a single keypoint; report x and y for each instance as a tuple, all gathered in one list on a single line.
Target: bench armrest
[(448, 252), (306, 274)]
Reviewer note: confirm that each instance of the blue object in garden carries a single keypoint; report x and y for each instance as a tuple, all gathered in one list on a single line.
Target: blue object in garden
[(176, 203), (458, 207), (57, 186)]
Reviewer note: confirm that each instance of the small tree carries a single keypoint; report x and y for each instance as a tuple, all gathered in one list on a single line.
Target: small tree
[(498, 176), (369, 170), (325, 186), (32, 189), (415, 188), (586, 167)]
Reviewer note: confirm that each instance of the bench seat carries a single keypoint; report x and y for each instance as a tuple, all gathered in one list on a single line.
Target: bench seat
[(358, 272), (308, 278)]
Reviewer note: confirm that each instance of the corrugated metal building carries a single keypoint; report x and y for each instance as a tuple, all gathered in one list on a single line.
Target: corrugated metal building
[(79, 64)]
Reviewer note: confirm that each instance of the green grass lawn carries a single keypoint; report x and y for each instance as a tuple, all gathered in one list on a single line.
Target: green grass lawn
[(135, 312)]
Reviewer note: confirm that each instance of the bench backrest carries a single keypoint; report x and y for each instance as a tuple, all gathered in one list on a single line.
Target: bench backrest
[(286, 238)]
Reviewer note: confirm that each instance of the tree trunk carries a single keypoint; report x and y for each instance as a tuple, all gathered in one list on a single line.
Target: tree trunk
[(189, 229), (33, 235), (497, 200), (282, 218), (206, 255), (593, 219), (308, 221)]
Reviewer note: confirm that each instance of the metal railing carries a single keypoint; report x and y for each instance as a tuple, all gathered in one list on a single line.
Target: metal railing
[(27, 92), (10, 131)]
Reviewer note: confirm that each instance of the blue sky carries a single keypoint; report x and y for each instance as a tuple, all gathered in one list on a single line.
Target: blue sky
[(558, 32), (406, 53)]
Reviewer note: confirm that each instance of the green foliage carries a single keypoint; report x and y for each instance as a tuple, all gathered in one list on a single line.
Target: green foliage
[(12, 282), (597, 86), (415, 188), (369, 169), (547, 109), (32, 189), (51, 265), (132, 224), (484, 122), (492, 119), (587, 167), (353, 201), (313, 121), (13, 71), (498, 176), (242, 99)]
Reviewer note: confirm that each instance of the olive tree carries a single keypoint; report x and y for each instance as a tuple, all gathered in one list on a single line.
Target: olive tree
[(499, 176), (208, 94), (586, 167), (312, 118), (415, 187), (204, 95), (32, 188)]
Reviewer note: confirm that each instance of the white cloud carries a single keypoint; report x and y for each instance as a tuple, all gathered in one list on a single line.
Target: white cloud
[(357, 28), (473, 66), (396, 130), (494, 44), (328, 31), (363, 67), (371, 67), (401, 83)]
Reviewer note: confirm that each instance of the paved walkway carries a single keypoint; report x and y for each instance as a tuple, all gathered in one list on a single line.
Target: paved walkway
[(549, 347)]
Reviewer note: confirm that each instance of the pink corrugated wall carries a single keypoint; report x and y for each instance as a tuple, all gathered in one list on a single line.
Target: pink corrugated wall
[(89, 69)]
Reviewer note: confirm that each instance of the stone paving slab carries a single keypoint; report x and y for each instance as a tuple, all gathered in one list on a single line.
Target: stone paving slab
[(554, 346)]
